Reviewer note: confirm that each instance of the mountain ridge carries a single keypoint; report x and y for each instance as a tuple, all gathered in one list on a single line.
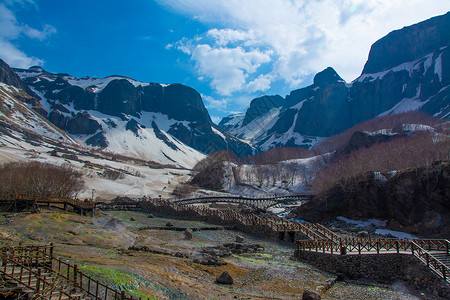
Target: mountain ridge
[(390, 83), (90, 109)]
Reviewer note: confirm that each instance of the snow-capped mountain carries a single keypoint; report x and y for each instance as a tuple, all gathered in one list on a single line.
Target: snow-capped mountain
[(164, 123), (409, 69)]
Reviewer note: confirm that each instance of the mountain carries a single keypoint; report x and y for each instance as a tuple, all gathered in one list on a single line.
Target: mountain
[(164, 123), (409, 69)]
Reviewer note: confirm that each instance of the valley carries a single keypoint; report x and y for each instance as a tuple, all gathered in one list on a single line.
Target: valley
[(340, 189), (100, 246)]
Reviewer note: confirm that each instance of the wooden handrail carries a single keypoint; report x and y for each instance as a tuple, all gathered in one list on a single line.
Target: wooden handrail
[(432, 262), (42, 257)]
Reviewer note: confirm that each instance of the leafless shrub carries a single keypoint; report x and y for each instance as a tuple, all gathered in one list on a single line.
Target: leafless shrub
[(421, 150), (277, 154), (112, 174), (183, 190), (40, 179), (338, 141)]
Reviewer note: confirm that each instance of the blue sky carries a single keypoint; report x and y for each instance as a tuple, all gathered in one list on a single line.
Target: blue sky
[(230, 51)]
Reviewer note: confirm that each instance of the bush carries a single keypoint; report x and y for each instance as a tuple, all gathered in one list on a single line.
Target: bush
[(40, 179), (112, 174), (407, 152)]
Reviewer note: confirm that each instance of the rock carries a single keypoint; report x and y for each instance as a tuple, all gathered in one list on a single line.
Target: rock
[(239, 239), (310, 295), (132, 219), (188, 234), (150, 216), (225, 278), (169, 224), (83, 123)]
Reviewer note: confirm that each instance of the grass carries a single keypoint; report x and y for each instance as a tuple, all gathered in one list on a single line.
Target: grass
[(119, 279)]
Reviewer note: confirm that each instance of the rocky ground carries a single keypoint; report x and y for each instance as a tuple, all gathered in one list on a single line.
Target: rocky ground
[(167, 264)]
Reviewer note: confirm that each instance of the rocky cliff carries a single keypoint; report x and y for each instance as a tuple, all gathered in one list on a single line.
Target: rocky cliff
[(409, 69), (414, 200), (92, 108)]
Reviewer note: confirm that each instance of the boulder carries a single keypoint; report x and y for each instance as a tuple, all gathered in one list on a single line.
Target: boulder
[(169, 224), (150, 216), (225, 278), (239, 239), (188, 234), (311, 295)]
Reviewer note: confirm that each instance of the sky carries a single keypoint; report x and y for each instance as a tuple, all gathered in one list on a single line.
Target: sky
[(230, 51)]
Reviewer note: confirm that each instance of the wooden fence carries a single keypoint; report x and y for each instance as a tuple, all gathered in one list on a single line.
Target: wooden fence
[(36, 268)]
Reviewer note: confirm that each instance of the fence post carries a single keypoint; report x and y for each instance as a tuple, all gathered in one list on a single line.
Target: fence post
[(443, 273), (122, 296), (38, 280), (75, 270)]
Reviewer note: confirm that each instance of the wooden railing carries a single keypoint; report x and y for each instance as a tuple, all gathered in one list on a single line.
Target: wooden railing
[(432, 262), (76, 203), (321, 239), (33, 260)]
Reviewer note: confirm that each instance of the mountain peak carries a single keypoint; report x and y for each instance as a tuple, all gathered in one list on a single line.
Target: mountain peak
[(326, 77), (408, 44)]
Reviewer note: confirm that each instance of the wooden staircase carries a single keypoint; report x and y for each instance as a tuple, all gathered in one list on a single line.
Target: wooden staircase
[(34, 273)]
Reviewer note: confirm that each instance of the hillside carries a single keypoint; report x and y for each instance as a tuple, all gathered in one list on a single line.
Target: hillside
[(413, 200)]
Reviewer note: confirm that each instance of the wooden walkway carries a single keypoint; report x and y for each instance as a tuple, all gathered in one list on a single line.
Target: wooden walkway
[(33, 270), (260, 203), (434, 253), (20, 202)]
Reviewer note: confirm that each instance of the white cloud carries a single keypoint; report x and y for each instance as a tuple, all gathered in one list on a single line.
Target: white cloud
[(223, 37), (261, 83), (16, 58), (11, 30), (215, 119), (303, 37), (212, 103), (227, 68)]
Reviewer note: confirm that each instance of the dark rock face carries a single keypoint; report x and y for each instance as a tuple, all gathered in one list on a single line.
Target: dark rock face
[(408, 44), (119, 96), (409, 69), (328, 112), (362, 139), (181, 102), (260, 106), (97, 140), (413, 200), (81, 99), (327, 77), (163, 137), (325, 110), (133, 126), (58, 119), (152, 96), (82, 124), (9, 77)]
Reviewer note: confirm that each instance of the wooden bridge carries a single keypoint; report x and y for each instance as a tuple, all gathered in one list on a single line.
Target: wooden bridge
[(261, 204), (33, 270), (17, 202)]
